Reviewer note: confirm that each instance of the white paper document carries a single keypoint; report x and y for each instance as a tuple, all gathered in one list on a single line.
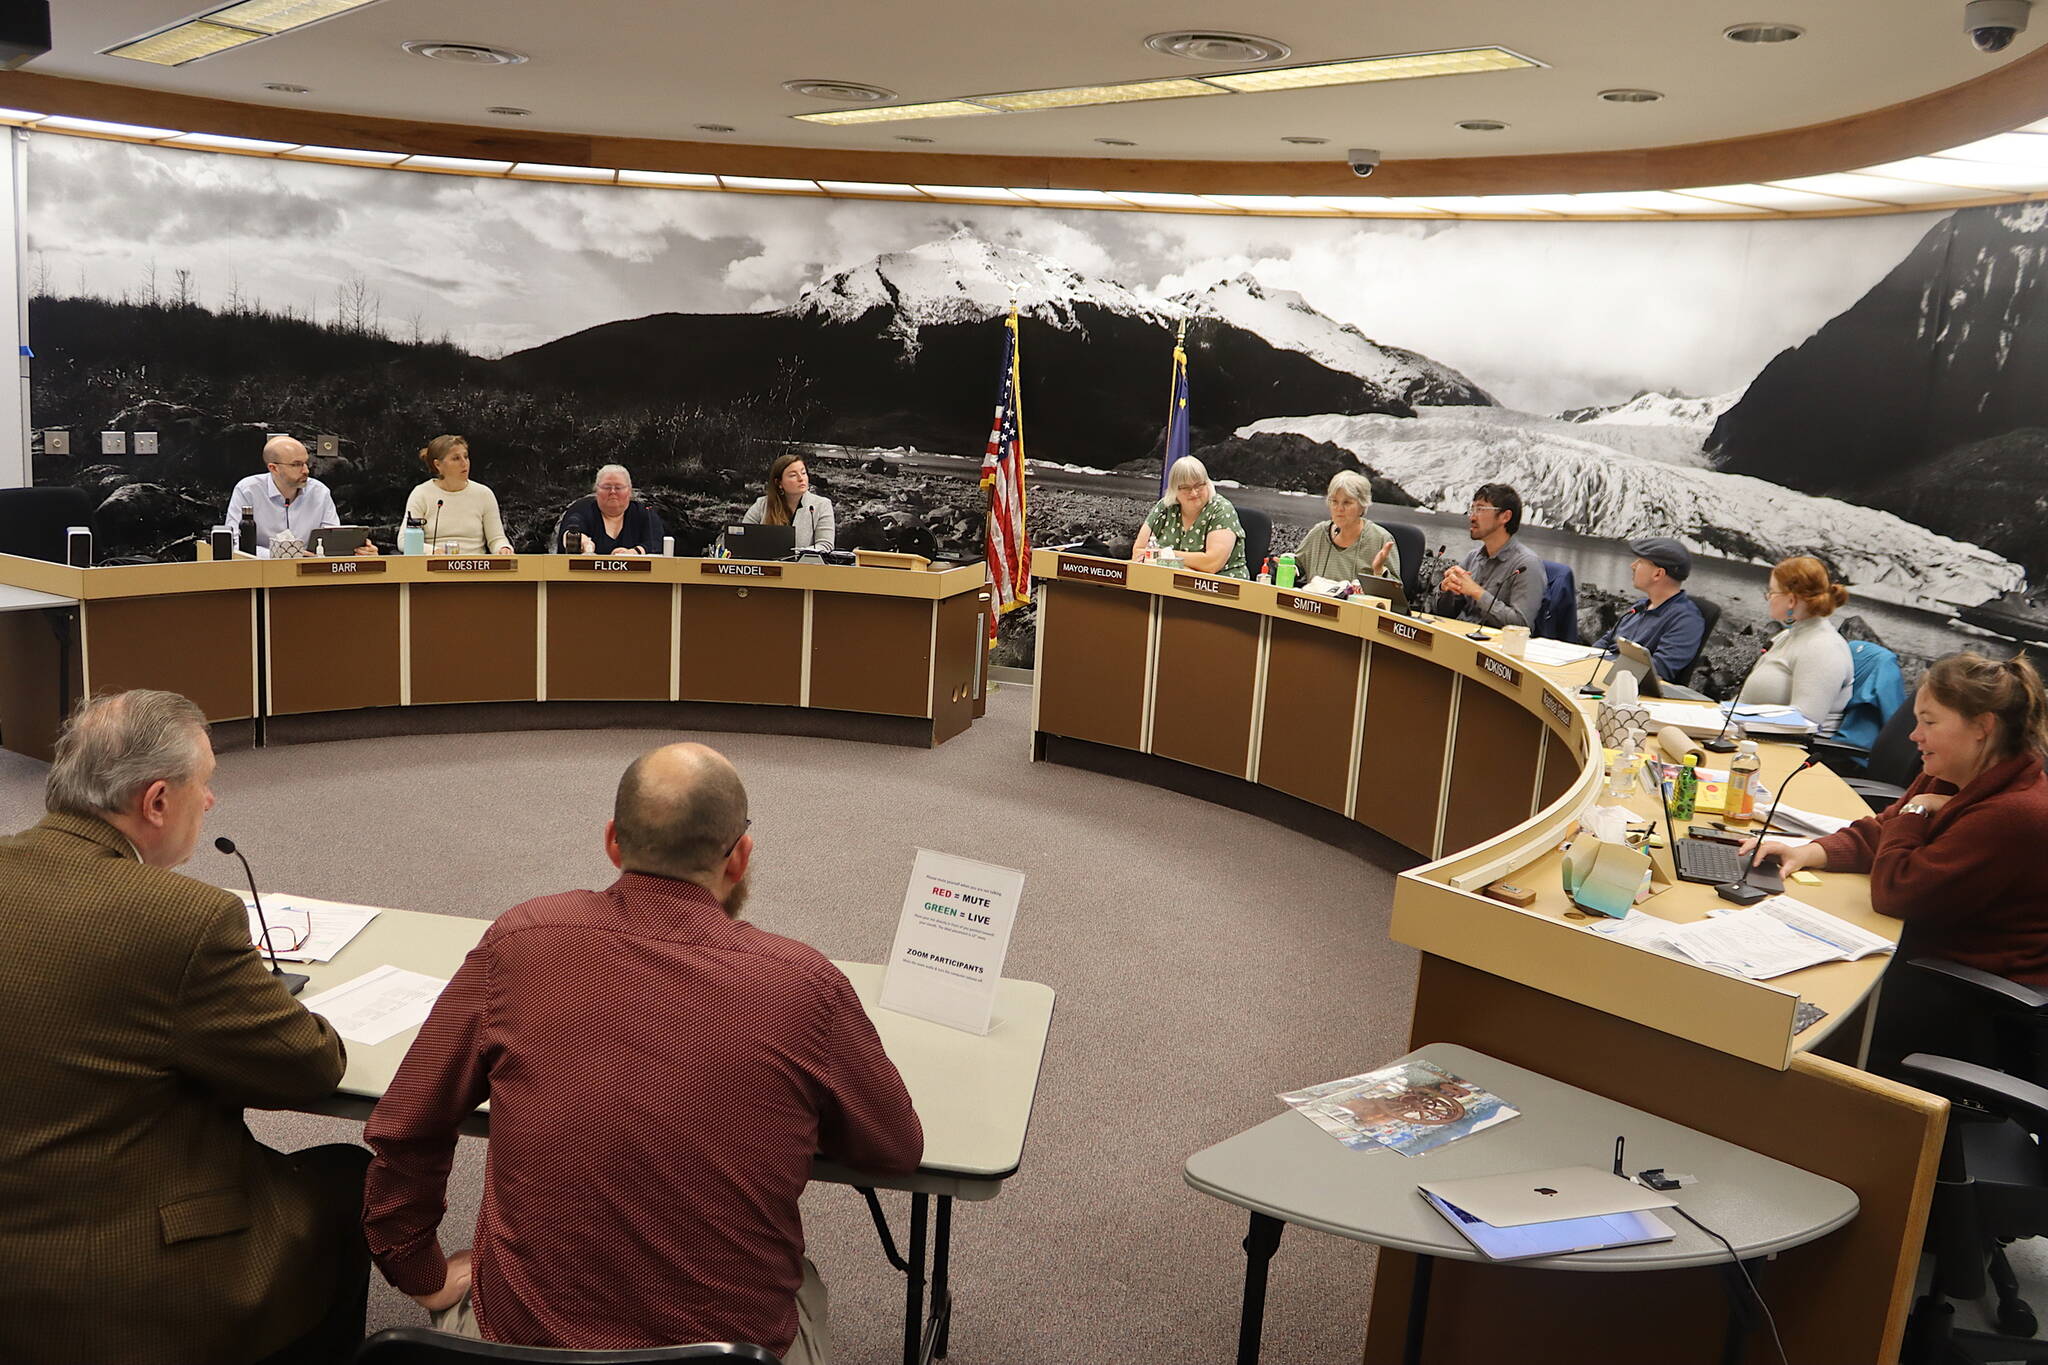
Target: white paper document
[(1811, 824), (951, 939), (378, 1005), (1638, 930), (306, 930), (1750, 944), (1556, 652), (1849, 942)]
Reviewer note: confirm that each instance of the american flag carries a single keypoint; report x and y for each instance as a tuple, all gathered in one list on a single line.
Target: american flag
[(1177, 409), (1002, 473)]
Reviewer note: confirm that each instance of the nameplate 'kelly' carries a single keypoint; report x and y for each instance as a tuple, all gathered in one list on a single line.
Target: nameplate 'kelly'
[(951, 940), (502, 564), (738, 568), (321, 568), (1109, 574), (634, 565), (1208, 587), (1407, 630)]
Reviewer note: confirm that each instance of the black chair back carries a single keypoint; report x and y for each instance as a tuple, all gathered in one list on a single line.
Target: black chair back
[(1894, 758), (1712, 611), (1408, 540), (1258, 537), (423, 1346), (33, 520)]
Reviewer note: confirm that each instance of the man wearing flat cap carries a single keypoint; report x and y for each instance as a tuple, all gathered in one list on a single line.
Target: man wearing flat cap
[(1666, 623)]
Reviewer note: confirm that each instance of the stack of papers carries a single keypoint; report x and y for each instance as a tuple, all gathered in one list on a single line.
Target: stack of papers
[(1773, 720), (306, 930), (1556, 652), (378, 1005), (1411, 1107), (1807, 823), (1778, 935)]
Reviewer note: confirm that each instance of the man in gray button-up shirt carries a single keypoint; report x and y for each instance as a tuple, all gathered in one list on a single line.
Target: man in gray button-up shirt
[(1501, 581)]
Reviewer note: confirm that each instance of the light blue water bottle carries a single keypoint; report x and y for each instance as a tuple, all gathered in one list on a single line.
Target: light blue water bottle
[(412, 537)]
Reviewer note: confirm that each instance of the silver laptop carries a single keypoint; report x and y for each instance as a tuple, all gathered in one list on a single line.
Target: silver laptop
[(1630, 657), (1521, 1197), (1559, 1238)]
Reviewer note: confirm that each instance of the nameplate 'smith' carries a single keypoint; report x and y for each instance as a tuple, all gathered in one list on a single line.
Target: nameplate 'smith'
[(1109, 575), (1307, 606)]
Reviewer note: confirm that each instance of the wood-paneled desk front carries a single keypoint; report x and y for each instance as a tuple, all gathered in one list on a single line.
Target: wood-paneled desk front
[(973, 1095), (1481, 763), (275, 639)]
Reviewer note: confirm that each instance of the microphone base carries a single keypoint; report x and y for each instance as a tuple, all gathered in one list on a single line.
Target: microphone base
[(294, 982), (1740, 893), (1719, 746)]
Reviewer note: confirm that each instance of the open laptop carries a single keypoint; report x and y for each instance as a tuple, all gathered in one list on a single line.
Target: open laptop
[(337, 542), (1713, 863), (1389, 588), (760, 541), (1629, 657)]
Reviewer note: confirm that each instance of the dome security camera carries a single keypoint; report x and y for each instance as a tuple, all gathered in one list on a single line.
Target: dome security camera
[(1993, 24), (1365, 160)]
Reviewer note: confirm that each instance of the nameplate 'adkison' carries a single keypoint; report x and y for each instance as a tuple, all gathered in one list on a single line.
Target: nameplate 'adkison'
[(1506, 673)]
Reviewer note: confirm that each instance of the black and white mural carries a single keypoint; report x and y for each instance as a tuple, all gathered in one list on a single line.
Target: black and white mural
[(1872, 390)]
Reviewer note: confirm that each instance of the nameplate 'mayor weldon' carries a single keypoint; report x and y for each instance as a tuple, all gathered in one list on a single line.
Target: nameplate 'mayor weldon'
[(321, 568), (1407, 630), (738, 568), (1506, 673), (1107, 574), (1308, 606), (502, 564), (1208, 587), (635, 565)]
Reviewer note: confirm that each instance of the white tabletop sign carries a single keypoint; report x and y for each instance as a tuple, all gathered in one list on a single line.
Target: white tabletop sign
[(951, 940)]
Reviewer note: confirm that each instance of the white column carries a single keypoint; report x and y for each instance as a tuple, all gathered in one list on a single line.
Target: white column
[(15, 469)]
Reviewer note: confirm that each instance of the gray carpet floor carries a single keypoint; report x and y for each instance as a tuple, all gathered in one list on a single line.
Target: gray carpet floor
[(1204, 960)]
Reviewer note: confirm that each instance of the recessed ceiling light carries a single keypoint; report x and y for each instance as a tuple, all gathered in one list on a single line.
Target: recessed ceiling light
[(464, 54), (1631, 96), (714, 127), (287, 88), (279, 16), (1075, 97), (1116, 142), (1481, 125), (1762, 33), (508, 110), (185, 43), (1238, 49), (888, 113), (845, 92), (1404, 66), (913, 137), (1306, 141)]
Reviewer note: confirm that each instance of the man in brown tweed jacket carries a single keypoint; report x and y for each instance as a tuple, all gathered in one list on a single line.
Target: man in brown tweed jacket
[(139, 1219)]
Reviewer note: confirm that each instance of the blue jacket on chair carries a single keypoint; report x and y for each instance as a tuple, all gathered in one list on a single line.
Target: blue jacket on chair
[(1558, 617), (1876, 690)]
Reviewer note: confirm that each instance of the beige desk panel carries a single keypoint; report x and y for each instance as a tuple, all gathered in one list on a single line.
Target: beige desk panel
[(201, 644), (1493, 766), (1305, 726), (1202, 689), (871, 654), (474, 641), (1092, 647), (609, 639), (1401, 759), (742, 643), (334, 647)]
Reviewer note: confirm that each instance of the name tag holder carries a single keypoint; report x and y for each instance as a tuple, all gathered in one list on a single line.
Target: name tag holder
[(633, 564)]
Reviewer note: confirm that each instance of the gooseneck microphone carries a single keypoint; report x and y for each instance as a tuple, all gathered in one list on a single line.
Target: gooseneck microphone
[(1494, 593), (1604, 655), (293, 981), (1740, 891), (434, 536), (1721, 744)]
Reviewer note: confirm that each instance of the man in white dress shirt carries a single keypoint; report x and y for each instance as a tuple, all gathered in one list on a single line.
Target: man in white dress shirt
[(287, 497)]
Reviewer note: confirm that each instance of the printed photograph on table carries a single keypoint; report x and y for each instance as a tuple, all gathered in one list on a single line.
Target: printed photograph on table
[(1411, 1107)]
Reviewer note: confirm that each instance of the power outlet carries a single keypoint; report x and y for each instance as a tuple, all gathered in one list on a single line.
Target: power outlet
[(56, 443), (327, 446), (145, 443), (113, 443)]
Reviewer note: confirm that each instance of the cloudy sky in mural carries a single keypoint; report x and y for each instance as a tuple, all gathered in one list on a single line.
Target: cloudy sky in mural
[(1545, 315)]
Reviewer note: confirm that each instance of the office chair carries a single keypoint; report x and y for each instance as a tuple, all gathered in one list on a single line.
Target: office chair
[(1558, 617), (424, 1346), (1258, 537), (1712, 611), (1409, 542), (1881, 773), (33, 520)]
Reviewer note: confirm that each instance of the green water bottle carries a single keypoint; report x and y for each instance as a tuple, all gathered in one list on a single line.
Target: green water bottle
[(1686, 789), (1285, 577)]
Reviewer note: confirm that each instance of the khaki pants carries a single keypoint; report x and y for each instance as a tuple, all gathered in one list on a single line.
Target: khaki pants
[(813, 1344)]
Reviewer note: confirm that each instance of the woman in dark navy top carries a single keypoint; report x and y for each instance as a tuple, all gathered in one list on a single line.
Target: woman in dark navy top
[(610, 521)]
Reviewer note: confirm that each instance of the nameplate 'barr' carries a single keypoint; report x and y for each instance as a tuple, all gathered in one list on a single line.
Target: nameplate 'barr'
[(734, 568), (1408, 631), (1208, 587), (1108, 575), (505, 564), (321, 568), (611, 566)]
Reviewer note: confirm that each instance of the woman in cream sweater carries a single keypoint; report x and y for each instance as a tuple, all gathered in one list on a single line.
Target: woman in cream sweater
[(454, 508), (1808, 666)]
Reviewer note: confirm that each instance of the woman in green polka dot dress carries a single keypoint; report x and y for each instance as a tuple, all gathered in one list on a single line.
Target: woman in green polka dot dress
[(1196, 521)]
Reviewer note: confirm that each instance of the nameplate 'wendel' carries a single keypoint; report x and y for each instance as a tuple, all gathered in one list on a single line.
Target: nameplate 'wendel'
[(738, 568)]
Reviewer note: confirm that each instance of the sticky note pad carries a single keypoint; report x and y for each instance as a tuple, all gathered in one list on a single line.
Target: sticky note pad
[(1805, 878)]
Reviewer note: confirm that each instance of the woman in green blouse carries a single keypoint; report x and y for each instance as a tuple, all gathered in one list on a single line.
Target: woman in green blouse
[(1347, 547), (1195, 521)]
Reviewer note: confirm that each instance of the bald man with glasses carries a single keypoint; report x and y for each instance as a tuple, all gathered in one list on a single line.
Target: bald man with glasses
[(286, 497)]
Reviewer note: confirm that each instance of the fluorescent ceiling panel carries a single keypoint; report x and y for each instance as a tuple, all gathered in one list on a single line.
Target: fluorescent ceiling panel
[(1368, 69), (1077, 198), (1849, 185), (1152, 200), (990, 192), (357, 155), (546, 171), (763, 182), (1963, 175), (1773, 199), (1024, 101), (2007, 149), (275, 16), (1475, 204), (20, 116), (461, 164), (870, 187), (92, 125), (223, 143), (1658, 201), (185, 43), (1368, 203), (669, 179), (890, 113), (1899, 191)]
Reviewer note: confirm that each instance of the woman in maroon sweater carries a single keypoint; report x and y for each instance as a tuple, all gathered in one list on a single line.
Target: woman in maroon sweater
[(1959, 857)]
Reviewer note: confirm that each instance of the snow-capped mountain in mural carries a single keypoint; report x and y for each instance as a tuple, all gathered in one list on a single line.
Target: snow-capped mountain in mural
[(1575, 484), (1928, 396), (903, 350)]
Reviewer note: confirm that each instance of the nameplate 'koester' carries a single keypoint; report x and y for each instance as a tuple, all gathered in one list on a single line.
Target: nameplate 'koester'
[(1307, 606), (1208, 587), (1506, 673), (738, 568), (1407, 630), (322, 568), (502, 564), (1107, 573), (634, 565), (1564, 714)]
